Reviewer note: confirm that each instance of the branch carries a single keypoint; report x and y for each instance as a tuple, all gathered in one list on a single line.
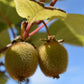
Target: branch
[(8, 22), (2, 71), (1, 63), (4, 49)]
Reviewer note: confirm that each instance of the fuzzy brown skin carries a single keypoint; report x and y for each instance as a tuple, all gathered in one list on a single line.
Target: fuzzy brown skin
[(21, 60), (53, 59)]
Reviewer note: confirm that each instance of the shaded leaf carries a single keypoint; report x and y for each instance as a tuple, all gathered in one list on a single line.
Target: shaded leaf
[(1, 55), (4, 38), (36, 39), (33, 11), (3, 78), (3, 26), (71, 29), (7, 9), (48, 1)]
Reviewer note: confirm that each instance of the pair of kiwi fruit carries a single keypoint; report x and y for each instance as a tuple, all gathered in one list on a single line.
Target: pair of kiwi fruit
[(22, 58)]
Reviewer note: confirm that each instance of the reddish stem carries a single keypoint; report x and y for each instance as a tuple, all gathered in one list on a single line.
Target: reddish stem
[(36, 30), (4, 49), (27, 30), (37, 22), (53, 3)]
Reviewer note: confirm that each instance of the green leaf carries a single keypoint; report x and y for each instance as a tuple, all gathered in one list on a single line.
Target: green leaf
[(36, 39), (76, 22), (7, 9), (71, 29), (3, 26), (34, 11), (1, 55), (3, 78), (4, 38), (48, 1)]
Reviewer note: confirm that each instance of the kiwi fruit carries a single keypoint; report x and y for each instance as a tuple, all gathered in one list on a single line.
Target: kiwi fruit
[(21, 60), (53, 58)]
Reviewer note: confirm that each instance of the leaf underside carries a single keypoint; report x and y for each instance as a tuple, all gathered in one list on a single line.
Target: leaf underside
[(71, 30)]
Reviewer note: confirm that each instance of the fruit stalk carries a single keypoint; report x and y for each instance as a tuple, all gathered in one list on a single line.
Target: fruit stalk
[(5, 48), (46, 28), (36, 30)]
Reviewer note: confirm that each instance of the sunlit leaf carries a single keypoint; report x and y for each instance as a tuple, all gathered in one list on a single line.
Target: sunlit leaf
[(76, 22), (71, 29), (33, 11)]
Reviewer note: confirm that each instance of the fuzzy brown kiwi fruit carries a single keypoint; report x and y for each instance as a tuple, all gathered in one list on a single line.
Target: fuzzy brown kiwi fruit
[(53, 58), (21, 60)]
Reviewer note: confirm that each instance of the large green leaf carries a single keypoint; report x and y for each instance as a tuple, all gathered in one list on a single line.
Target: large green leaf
[(4, 38), (71, 29), (76, 22), (2, 26), (7, 9), (33, 11)]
